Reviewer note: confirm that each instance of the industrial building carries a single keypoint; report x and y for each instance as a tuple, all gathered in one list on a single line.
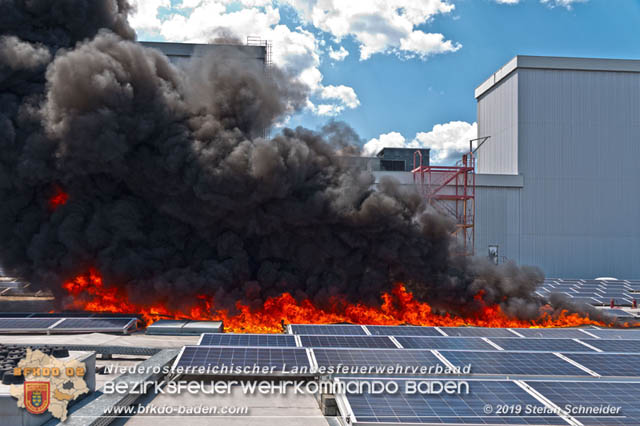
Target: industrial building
[(508, 367), (255, 48), (557, 179)]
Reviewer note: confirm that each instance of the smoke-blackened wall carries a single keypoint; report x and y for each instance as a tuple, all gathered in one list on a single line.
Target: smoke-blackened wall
[(173, 192)]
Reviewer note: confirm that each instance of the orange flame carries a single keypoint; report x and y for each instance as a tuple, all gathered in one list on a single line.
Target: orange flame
[(398, 307), (59, 198)]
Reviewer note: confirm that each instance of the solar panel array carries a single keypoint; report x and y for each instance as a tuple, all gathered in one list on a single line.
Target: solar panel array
[(457, 343), (593, 292), (337, 329), (541, 345), (498, 402), (606, 364), (545, 368), (325, 341), (399, 330), (595, 394), (247, 340), (478, 332), (240, 360), (22, 325), (375, 358), (446, 409), (514, 363)]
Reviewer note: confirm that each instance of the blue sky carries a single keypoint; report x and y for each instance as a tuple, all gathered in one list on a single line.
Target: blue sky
[(412, 65)]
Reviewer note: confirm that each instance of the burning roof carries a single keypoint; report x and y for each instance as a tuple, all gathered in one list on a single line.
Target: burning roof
[(153, 184)]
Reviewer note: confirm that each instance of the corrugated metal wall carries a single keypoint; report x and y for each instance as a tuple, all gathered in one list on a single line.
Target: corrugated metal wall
[(579, 153), (497, 117), (498, 221)]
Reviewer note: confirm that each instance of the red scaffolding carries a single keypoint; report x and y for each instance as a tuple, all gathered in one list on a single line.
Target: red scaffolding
[(451, 190)]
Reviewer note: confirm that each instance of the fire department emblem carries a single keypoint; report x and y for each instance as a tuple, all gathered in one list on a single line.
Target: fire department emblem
[(36, 397)]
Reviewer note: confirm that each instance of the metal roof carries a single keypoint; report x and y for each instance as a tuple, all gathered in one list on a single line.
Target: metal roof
[(557, 63)]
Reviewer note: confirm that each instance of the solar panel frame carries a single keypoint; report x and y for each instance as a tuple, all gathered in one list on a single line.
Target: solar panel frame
[(247, 340), (615, 345), (76, 325), (594, 394), (616, 334), (404, 408), (194, 358), (327, 329), (326, 341), (442, 343), (608, 364), (403, 330), (551, 333), (540, 345), (513, 363), (26, 325), (477, 332), (618, 313), (371, 358)]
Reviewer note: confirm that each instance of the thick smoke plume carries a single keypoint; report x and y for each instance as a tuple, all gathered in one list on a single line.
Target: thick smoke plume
[(173, 191)]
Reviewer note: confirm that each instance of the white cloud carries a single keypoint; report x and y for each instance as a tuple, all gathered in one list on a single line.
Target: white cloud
[(447, 141), (328, 109), (295, 50), (338, 55), (564, 3), (344, 96), (551, 3), (423, 44), (343, 93), (145, 16), (390, 140), (379, 26)]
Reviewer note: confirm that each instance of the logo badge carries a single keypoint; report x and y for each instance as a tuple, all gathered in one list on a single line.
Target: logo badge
[(36, 397)]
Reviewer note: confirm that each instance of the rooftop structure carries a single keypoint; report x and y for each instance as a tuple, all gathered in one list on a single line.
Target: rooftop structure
[(541, 367), (177, 52), (564, 139)]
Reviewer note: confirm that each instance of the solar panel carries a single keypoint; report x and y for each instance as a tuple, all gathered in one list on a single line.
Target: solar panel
[(402, 330), (616, 334), (19, 324), (94, 324), (477, 332), (323, 341), (263, 340), (615, 345), (587, 300), (619, 313), (372, 358), (564, 333), (461, 343), (625, 365), (595, 394), (542, 345), (333, 329), (513, 363), (240, 361), (405, 408)]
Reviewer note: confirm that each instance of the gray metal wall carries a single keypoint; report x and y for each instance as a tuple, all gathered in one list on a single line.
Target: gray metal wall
[(579, 154), (179, 52), (497, 117), (498, 220)]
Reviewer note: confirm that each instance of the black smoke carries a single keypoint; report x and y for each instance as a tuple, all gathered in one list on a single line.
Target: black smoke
[(174, 191)]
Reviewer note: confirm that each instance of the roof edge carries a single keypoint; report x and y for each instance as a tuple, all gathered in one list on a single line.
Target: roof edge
[(557, 63)]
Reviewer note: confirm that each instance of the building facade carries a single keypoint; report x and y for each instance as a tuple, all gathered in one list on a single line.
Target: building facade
[(563, 154), (179, 52)]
